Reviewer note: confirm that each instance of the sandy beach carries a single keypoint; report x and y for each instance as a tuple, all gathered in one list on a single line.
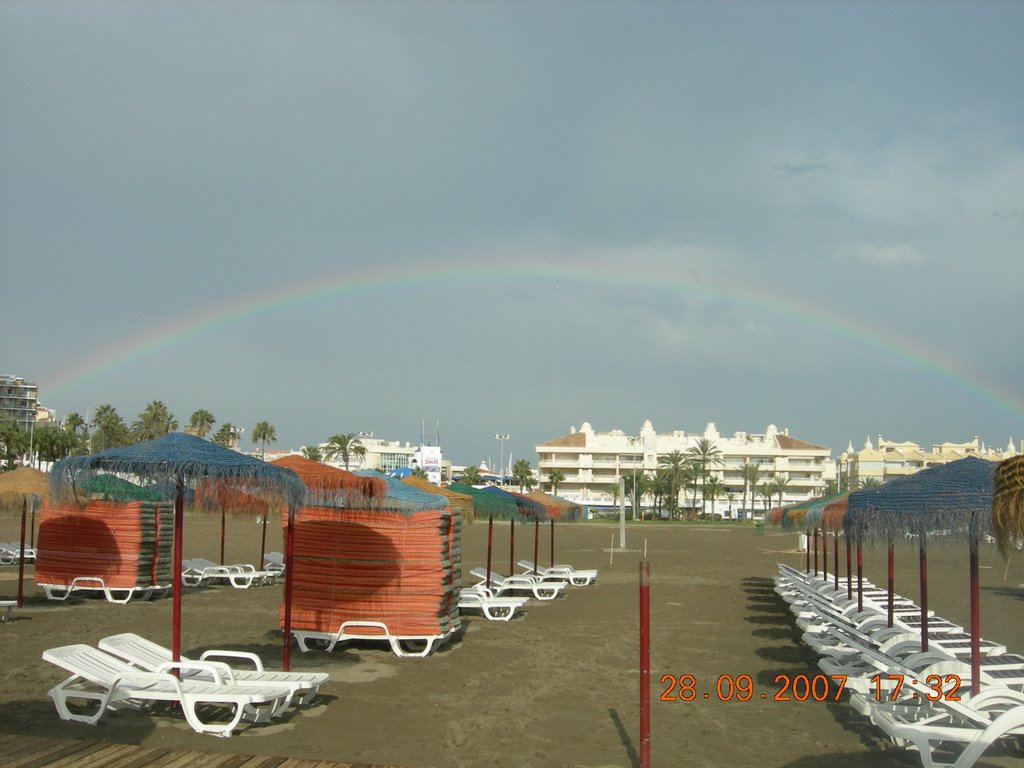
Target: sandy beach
[(555, 688)]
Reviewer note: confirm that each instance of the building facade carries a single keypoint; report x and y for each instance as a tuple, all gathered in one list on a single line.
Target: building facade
[(887, 459), (593, 462), (19, 401)]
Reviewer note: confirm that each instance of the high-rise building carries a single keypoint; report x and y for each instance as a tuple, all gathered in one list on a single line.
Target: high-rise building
[(19, 401)]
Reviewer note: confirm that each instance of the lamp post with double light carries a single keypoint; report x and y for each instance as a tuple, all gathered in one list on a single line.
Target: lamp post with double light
[(501, 437)]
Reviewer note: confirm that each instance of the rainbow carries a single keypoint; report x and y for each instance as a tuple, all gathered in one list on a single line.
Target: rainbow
[(801, 310)]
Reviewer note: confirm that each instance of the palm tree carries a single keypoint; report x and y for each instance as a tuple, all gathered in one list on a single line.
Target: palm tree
[(781, 483), (419, 472), (555, 476), (264, 433), (345, 446), (201, 422), (730, 496), (674, 464), (75, 426), (612, 489), (751, 474), (522, 474), (703, 455), (714, 488), (870, 482), (225, 435), (109, 429), (636, 487), (471, 476), (312, 452), (766, 490), (155, 421)]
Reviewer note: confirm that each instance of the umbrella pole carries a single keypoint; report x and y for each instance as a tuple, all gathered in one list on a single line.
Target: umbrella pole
[(553, 544), (849, 572), (490, 539), (891, 584), (263, 541), (223, 521), (824, 556), (179, 519), (975, 618), (21, 555), (289, 575), (32, 526), (645, 664), (511, 545), (807, 552), (536, 544), (860, 577), (815, 545), (835, 559), (923, 560)]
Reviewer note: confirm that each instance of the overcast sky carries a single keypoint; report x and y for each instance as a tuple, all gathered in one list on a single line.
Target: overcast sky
[(517, 217)]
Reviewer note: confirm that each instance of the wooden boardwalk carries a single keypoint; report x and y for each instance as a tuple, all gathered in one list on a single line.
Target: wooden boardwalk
[(34, 752)]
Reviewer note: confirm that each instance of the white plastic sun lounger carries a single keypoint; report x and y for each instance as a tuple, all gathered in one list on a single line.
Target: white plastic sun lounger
[(493, 607), (403, 646), (95, 585), (149, 656), (273, 562), (199, 571), (10, 553), (541, 589), (107, 682), (576, 576)]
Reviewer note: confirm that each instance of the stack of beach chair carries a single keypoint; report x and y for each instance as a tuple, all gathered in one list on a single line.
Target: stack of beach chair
[(122, 550), (921, 699), (376, 574)]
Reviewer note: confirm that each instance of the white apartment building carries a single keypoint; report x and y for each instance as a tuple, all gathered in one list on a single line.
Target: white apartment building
[(593, 462)]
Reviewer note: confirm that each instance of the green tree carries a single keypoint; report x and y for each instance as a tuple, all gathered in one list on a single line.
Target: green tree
[(522, 474), (869, 482), (781, 484), (636, 487), (766, 490), (109, 429), (76, 427), (201, 422), (419, 472), (312, 452), (13, 443), (555, 477), (659, 487), (344, 446), (750, 472), (471, 476), (154, 421), (225, 435), (264, 433), (704, 455), (51, 443), (674, 465), (713, 489)]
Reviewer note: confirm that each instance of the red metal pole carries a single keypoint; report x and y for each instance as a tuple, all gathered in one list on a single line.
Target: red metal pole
[(975, 620), (32, 525), (511, 546), (263, 541), (807, 552), (815, 553), (860, 577), (552, 543), (490, 538), (923, 564), (289, 576), (849, 572), (824, 556), (21, 555), (536, 544), (223, 519), (179, 520), (891, 581), (835, 559), (645, 664)]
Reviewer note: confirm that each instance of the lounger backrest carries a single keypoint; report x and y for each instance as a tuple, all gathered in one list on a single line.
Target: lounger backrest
[(137, 650), (88, 662)]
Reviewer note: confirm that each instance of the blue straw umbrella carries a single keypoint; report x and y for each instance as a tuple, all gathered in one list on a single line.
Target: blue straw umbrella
[(182, 459), (955, 497)]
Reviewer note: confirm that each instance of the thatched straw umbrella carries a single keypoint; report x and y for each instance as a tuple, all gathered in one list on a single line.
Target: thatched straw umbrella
[(956, 497), (493, 506), (184, 459), (461, 502), (558, 509), (23, 486), (1008, 504)]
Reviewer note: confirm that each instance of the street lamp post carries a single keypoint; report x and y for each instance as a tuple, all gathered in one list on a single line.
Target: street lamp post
[(501, 437)]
